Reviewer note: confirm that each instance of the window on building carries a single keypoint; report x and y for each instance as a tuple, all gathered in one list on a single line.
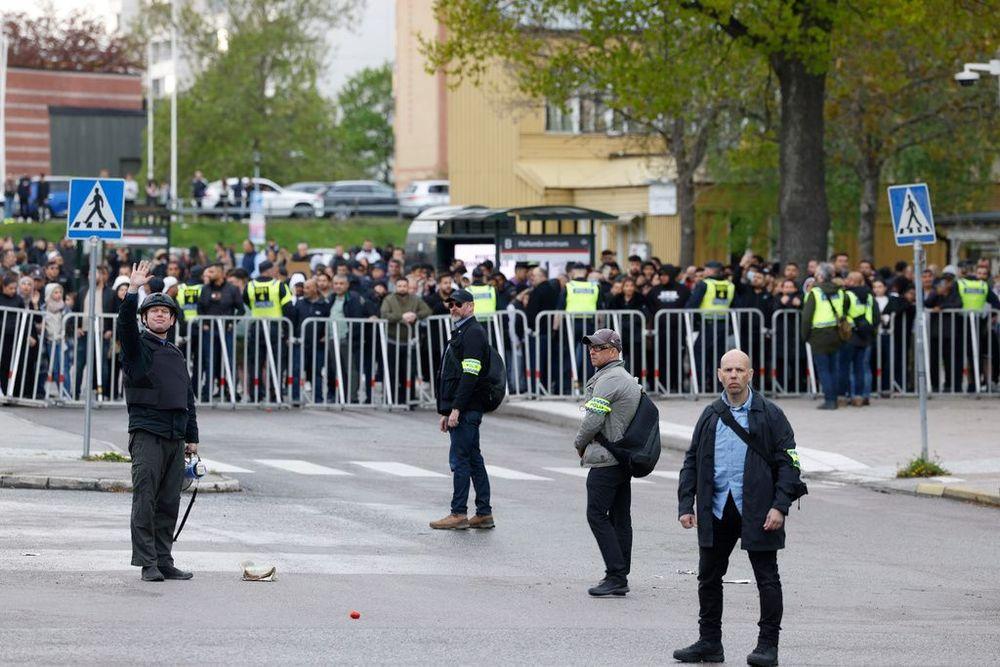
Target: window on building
[(158, 87), (584, 115)]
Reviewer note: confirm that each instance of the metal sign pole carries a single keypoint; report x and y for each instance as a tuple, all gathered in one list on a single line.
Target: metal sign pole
[(918, 269), (92, 316)]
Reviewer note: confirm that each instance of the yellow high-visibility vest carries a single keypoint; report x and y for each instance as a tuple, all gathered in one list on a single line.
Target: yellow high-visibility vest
[(973, 293), (485, 300), (265, 298), (187, 299), (718, 295), (827, 308), (581, 296), (859, 309)]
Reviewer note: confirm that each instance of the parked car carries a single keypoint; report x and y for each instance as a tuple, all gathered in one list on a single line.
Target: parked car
[(342, 199), (58, 200), (421, 195), (278, 201)]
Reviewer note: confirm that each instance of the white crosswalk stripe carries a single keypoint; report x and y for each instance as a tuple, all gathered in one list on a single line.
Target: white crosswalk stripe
[(398, 469), (583, 472), (507, 473), (301, 467), (666, 474), (219, 466)]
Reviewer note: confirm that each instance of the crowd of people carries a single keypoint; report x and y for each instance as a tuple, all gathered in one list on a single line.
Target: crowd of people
[(370, 283)]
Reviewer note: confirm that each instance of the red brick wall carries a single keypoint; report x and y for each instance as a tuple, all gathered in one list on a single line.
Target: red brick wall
[(31, 92)]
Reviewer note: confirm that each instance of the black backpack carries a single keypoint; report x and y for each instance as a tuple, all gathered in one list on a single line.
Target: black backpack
[(494, 388), (639, 447)]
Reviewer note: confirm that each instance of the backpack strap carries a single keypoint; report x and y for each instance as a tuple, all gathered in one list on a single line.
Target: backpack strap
[(727, 418)]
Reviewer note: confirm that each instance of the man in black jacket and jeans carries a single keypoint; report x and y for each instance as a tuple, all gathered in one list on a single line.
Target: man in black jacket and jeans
[(464, 367), (740, 496), (162, 425)]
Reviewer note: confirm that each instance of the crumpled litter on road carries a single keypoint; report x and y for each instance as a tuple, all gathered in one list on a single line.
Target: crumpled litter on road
[(252, 572), (686, 572)]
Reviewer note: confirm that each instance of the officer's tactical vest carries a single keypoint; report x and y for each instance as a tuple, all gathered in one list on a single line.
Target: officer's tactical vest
[(166, 387), (827, 308), (718, 295), (265, 299), (581, 296), (485, 300), (187, 299), (973, 293)]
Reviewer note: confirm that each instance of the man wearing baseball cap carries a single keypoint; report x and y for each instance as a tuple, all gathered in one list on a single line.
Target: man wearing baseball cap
[(612, 398), (463, 370)]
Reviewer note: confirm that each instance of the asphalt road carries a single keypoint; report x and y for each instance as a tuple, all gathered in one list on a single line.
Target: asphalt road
[(869, 578)]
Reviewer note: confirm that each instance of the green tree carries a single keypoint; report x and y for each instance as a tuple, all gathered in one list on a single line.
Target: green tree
[(672, 81), (364, 133), (893, 107), (255, 90)]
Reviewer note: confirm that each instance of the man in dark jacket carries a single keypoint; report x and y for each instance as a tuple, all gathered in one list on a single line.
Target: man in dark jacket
[(465, 364), (218, 298), (739, 496), (162, 425), (669, 295)]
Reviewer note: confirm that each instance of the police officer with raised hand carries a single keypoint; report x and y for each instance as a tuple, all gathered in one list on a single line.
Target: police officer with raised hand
[(463, 370), (162, 424), (740, 476)]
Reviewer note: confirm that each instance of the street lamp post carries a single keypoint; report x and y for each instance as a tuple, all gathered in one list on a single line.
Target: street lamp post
[(970, 74)]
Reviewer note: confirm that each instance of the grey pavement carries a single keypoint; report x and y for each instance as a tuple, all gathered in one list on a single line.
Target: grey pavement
[(340, 501)]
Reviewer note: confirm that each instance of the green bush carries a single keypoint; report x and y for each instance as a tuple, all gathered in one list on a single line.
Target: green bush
[(921, 467)]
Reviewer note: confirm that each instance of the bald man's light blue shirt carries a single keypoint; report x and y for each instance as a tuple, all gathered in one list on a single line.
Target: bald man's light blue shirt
[(730, 455)]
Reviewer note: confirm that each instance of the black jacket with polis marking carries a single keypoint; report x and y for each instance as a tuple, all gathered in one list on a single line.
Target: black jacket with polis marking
[(461, 379)]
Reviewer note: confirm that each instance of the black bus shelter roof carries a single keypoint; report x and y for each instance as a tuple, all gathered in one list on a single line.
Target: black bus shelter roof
[(494, 215)]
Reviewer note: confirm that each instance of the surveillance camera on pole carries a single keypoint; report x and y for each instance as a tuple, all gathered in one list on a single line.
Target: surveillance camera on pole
[(967, 78), (970, 73)]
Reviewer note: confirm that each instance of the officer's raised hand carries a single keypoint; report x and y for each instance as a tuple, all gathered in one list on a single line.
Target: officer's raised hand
[(139, 277), (191, 448)]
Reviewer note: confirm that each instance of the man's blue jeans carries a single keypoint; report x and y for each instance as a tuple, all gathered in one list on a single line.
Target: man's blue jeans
[(467, 464), (856, 371), (826, 373)]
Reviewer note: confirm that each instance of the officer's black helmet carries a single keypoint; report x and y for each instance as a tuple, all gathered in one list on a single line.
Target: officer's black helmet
[(158, 299)]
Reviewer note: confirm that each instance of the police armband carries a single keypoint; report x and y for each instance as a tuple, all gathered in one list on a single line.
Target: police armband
[(598, 405), (472, 366)]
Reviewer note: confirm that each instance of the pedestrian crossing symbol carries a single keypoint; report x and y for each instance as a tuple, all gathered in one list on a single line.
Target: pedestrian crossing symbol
[(96, 208), (912, 219)]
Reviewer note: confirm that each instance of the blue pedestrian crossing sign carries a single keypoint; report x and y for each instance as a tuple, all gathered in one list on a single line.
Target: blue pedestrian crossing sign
[(912, 219), (96, 208)]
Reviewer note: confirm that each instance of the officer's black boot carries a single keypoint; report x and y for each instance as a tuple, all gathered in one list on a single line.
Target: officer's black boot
[(609, 586), (702, 650), (151, 573), (171, 572), (763, 656)]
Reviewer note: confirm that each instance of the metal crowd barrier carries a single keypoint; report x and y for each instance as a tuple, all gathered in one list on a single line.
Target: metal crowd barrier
[(247, 362), (560, 361), (687, 346), (507, 332)]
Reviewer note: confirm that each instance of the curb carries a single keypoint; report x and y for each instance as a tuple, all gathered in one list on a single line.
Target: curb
[(669, 438), (959, 493), (218, 484)]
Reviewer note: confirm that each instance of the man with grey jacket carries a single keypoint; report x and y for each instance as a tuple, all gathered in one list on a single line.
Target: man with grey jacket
[(612, 399)]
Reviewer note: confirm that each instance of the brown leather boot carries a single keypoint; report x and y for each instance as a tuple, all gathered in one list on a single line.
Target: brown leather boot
[(857, 401), (485, 521), (451, 522)]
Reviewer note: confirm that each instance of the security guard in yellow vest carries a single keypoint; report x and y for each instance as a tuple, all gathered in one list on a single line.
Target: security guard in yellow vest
[(267, 298), (580, 298), (712, 298), (188, 295), (824, 305), (854, 361), (485, 296), (976, 295)]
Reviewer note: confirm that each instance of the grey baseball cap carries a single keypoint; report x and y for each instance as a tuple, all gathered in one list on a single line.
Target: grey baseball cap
[(604, 337)]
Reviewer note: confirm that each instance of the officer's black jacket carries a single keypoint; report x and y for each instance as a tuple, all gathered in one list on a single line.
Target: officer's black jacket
[(460, 389), (763, 487), (137, 363)]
